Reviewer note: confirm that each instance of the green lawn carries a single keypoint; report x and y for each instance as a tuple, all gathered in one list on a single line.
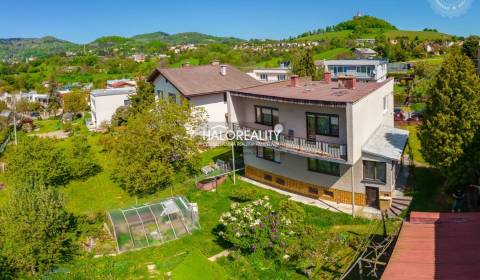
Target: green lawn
[(331, 54), (392, 34), (48, 125), (98, 194), (414, 144)]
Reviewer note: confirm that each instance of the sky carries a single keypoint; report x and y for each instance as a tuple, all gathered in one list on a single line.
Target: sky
[(82, 21)]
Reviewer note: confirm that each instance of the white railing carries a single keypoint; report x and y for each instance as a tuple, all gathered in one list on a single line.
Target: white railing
[(302, 145)]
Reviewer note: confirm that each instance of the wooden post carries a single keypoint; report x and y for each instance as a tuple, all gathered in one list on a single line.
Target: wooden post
[(233, 161)]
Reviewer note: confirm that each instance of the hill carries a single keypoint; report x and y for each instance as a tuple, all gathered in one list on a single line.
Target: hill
[(22, 48), (33, 47), (368, 27)]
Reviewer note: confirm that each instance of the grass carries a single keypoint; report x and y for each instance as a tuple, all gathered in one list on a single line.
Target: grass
[(414, 144), (197, 266), (391, 34), (48, 125), (99, 194), (331, 54), (426, 187)]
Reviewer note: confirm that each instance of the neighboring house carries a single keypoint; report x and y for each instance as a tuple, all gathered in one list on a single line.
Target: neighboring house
[(139, 57), (365, 70), (338, 141), (104, 103), (365, 53), (270, 75), (121, 83), (203, 86), (33, 96)]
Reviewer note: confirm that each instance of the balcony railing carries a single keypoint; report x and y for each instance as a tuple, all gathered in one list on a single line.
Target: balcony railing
[(298, 145)]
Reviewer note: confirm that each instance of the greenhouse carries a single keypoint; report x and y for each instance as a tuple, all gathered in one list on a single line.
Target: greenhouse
[(152, 224)]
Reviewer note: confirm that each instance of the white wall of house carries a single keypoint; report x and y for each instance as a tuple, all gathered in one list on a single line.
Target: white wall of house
[(104, 106), (215, 104), (367, 115), (291, 116), (270, 75), (296, 167)]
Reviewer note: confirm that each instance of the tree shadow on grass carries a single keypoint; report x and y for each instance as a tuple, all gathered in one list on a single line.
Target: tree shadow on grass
[(427, 187)]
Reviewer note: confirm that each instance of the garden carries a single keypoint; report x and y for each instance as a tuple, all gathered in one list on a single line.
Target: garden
[(333, 239)]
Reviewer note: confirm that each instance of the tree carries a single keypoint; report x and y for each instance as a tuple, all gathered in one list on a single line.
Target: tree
[(304, 65), (39, 158), (452, 119), (81, 161), (155, 146), (54, 100), (470, 47), (75, 102), (35, 229), (144, 97)]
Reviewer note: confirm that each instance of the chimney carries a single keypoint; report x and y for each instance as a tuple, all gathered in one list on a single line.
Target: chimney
[(327, 77), (294, 80), (223, 70), (216, 62), (348, 82), (186, 64)]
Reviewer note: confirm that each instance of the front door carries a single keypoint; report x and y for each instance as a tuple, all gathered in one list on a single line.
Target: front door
[(372, 197)]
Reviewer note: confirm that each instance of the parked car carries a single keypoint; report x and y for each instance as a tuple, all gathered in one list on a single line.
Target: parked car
[(399, 115), (415, 116)]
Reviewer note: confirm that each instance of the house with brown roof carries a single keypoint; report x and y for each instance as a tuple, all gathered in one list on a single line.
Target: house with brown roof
[(336, 142), (204, 86)]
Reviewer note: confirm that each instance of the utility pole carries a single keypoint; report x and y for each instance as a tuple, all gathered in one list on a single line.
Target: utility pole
[(233, 161), (15, 119)]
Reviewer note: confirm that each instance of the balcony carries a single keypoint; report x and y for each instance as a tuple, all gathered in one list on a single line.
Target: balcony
[(297, 145)]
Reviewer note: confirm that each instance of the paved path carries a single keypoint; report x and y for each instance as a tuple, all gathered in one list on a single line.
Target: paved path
[(223, 253)]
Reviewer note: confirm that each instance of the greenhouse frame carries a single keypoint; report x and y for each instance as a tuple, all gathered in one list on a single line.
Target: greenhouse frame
[(153, 224)]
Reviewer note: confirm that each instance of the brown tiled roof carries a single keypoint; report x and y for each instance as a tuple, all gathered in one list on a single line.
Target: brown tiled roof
[(307, 90), (205, 79)]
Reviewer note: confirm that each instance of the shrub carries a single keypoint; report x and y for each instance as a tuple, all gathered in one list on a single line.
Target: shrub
[(244, 194), (256, 226)]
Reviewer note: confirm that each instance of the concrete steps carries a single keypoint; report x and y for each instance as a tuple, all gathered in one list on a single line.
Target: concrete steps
[(399, 204)]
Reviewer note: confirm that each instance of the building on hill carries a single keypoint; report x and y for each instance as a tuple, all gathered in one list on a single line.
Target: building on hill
[(204, 86), (365, 70), (121, 83), (337, 141), (104, 103), (270, 75), (365, 53)]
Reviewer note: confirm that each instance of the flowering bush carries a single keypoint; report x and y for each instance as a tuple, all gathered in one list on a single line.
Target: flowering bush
[(256, 226)]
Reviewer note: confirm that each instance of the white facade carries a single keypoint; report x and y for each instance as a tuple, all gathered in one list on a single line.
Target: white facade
[(104, 103), (358, 122), (270, 75), (365, 70), (214, 104)]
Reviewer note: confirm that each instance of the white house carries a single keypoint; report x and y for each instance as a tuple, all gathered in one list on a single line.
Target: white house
[(203, 86), (337, 142), (365, 53), (270, 75), (104, 103), (365, 70)]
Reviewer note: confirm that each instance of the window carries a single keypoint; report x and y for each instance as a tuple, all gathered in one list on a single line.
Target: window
[(280, 181), (312, 190), (159, 94), (328, 193), (281, 77), (268, 154), (323, 124), (266, 115), (172, 97), (375, 171), (325, 167), (267, 177), (385, 103), (263, 77)]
